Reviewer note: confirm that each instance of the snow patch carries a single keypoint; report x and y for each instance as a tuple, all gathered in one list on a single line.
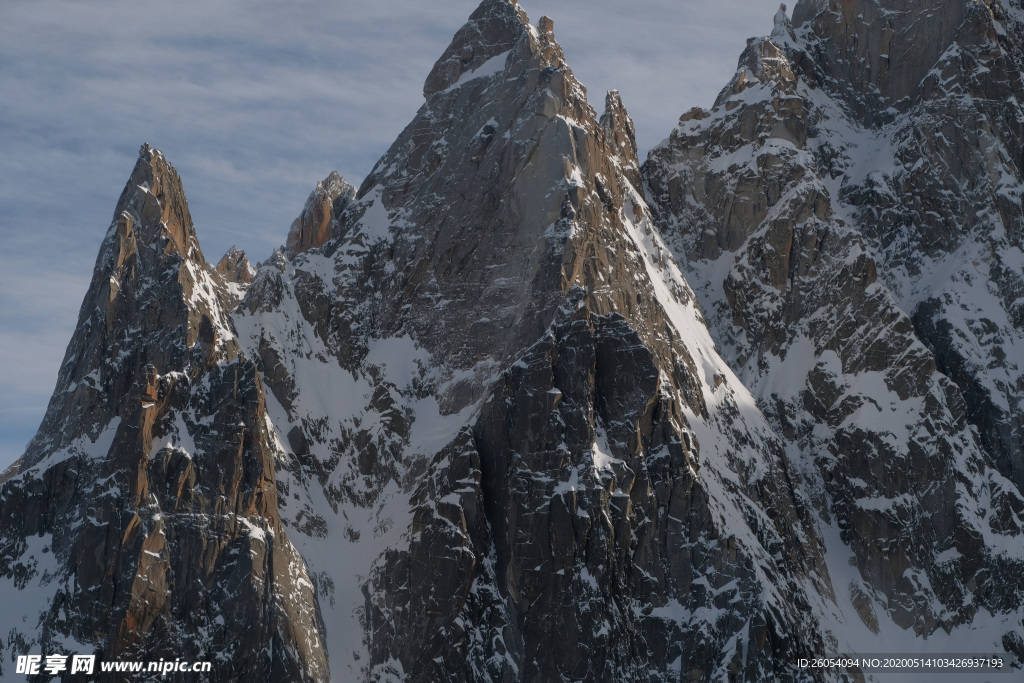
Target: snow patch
[(494, 65)]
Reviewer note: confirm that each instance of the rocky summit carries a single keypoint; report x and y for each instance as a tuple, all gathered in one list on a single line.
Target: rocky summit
[(523, 408)]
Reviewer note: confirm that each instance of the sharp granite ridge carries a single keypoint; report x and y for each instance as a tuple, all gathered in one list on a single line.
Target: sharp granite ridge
[(520, 408)]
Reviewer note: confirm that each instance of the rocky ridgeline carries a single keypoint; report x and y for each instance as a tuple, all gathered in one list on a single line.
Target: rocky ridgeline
[(143, 518), (849, 211), (471, 422)]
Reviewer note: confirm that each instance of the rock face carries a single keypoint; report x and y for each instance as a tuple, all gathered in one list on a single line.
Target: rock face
[(313, 227), (471, 422), (525, 461), (143, 519), (234, 267), (850, 213)]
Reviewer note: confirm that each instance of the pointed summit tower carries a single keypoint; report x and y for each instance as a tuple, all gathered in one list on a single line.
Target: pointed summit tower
[(529, 435), (149, 297), (470, 423), (143, 518)]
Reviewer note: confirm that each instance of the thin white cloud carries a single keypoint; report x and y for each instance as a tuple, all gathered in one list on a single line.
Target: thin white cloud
[(254, 101)]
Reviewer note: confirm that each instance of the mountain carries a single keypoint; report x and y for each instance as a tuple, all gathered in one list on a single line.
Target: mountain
[(142, 521), (849, 216), (521, 408)]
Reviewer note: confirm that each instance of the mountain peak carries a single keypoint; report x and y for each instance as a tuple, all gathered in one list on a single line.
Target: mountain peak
[(153, 298), (492, 30), (508, 421), (877, 52), (783, 26), (312, 228), (618, 126), (154, 202), (234, 267)]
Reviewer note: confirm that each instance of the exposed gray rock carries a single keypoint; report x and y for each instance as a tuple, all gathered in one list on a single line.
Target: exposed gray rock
[(851, 232), (144, 515), (594, 503), (471, 423)]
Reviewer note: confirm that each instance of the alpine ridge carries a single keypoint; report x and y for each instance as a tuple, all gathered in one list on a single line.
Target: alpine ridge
[(521, 408), (849, 212)]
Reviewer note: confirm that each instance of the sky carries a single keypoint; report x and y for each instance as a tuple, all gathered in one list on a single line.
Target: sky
[(254, 101)]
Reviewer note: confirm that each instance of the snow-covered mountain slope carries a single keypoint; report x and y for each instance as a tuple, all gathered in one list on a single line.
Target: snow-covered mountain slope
[(849, 215)]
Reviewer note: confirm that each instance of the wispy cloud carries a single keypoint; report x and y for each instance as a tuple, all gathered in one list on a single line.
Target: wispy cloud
[(254, 101)]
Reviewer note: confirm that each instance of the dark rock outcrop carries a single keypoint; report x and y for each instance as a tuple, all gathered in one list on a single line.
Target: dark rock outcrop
[(144, 515), (851, 233)]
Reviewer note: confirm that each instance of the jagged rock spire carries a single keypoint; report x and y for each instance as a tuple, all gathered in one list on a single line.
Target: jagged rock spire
[(234, 267), (151, 282), (325, 204), (152, 477), (493, 29), (847, 180), (505, 438), (618, 126), (783, 28), (154, 201), (507, 210)]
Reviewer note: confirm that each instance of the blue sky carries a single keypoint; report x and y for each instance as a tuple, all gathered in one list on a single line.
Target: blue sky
[(253, 102)]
